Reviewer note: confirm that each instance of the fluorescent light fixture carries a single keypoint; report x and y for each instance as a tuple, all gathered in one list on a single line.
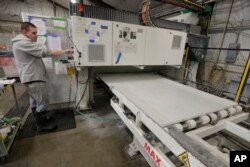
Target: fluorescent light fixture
[(73, 1)]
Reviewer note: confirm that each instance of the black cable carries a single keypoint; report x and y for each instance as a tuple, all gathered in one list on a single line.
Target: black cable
[(77, 79), (84, 92), (72, 40), (70, 88), (76, 83), (70, 93)]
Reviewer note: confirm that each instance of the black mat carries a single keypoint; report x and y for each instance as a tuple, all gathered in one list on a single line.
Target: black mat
[(64, 119)]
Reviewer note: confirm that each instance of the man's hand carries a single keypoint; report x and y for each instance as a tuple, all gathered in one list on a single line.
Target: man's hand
[(61, 52), (68, 51)]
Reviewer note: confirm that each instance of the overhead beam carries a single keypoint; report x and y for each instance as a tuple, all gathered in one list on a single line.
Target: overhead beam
[(188, 4)]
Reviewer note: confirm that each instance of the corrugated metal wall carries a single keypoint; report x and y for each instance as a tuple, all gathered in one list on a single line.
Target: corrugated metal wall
[(105, 14), (216, 71)]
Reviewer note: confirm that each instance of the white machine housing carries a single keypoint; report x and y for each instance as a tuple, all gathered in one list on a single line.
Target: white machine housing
[(108, 43), (128, 44), (93, 40)]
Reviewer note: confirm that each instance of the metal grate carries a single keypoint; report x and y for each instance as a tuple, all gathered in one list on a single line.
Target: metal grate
[(96, 53), (176, 44)]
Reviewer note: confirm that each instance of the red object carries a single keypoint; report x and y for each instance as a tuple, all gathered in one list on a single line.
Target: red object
[(7, 61), (80, 7)]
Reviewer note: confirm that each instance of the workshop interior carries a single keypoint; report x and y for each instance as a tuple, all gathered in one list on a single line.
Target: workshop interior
[(149, 83)]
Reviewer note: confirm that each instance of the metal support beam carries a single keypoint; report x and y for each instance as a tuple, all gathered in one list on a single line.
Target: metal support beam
[(195, 149), (238, 130), (185, 63)]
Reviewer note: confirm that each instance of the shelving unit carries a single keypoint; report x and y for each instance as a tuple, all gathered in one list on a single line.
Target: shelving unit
[(5, 144)]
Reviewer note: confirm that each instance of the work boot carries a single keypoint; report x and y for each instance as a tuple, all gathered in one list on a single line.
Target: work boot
[(33, 109), (42, 125), (48, 118)]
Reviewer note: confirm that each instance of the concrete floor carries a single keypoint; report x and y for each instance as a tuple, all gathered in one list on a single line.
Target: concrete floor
[(94, 143)]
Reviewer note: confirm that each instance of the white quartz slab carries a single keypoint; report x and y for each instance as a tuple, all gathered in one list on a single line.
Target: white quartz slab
[(165, 101)]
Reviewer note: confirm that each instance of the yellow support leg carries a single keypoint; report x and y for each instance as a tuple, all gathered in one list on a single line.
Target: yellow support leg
[(243, 81), (185, 63)]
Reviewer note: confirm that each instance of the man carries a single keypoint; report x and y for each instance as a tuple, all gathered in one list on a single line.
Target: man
[(28, 56)]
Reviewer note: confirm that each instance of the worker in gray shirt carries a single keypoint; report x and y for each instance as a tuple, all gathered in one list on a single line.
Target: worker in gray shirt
[(28, 56)]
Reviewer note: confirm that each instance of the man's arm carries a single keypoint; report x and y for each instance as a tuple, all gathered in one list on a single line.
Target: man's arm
[(60, 52), (40, 50)]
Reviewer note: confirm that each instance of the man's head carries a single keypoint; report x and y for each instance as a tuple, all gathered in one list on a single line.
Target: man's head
[(29, 30)]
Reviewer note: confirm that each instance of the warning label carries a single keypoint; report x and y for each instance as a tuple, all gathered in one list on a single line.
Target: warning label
[(184, 158)]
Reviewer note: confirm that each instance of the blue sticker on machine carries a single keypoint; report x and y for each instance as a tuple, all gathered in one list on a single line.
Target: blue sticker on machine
[(86, 31), (118, 58), (93, 23), (30, 18), (104, 27), (54, 35), (92, 41), (97, 33)]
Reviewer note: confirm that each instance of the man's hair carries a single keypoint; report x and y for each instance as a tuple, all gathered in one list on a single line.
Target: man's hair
[(26, 25)]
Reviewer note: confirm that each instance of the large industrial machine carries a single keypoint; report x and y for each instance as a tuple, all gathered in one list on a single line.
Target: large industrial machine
[(107, 43), (172, 124)]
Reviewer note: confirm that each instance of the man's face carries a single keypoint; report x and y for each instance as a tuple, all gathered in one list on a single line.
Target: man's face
[(31, 34)]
